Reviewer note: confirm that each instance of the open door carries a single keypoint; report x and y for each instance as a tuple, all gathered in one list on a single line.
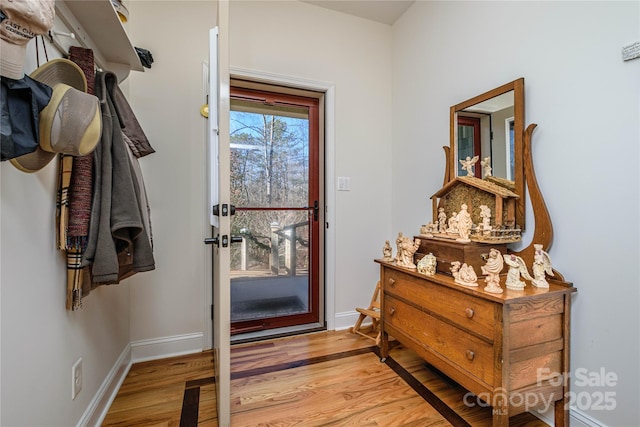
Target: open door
[(219, 211)]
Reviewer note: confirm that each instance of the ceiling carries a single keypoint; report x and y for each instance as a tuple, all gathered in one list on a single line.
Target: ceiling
[(385, 11)]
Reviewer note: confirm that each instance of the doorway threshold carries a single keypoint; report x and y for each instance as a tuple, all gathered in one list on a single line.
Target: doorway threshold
[(277, 333)]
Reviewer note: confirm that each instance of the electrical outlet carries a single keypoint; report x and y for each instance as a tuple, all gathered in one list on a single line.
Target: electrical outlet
[(76, 378)]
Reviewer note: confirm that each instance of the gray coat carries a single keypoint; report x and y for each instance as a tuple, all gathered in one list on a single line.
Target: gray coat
[(119, 242)]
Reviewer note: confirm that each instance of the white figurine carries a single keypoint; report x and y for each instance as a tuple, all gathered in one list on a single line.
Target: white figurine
[(468, 163), (486, 167), (406, 249), (453, 224), (442, 220), (386, 252), (427, 265), (455, 269), (425, 230), (399, 247), (464, 275), (517, 269), (541, 265), (492, 270), (463, 219), (485, 214)]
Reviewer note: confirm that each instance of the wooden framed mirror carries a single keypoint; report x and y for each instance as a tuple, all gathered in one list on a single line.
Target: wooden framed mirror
[(491, 126)]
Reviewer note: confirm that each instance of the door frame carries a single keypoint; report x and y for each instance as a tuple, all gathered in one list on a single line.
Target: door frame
[(328, 275)]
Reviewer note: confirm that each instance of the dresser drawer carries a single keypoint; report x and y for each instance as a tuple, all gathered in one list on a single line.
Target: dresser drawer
[(462, 349), (471, 313)]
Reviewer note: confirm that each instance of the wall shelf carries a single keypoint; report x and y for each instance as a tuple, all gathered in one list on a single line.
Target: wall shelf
[(96, 26)]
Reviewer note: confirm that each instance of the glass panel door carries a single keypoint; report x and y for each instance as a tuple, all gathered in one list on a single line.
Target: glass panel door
[(274, 190)]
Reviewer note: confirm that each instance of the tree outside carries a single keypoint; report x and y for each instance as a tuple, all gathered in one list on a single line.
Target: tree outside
[(270, 169)]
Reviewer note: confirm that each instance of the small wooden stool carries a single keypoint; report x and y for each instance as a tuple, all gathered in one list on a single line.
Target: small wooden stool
[(373, 311)]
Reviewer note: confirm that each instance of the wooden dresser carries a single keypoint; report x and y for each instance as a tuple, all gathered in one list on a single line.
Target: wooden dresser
[(509, 349)]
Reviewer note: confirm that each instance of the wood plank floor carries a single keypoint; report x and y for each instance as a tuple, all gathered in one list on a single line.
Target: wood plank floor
[(320, 379)]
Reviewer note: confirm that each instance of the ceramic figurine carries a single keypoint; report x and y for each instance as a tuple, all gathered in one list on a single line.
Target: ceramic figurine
[(406, 249), (427, 265), (425, 230), (399, 247), (486, 167), (517, 269), (455, 269), (541, 266), (466, 275), (485, 214), (468, 163), (442, 220), (463, 219), (452, 227), (386, 252), (492, 270)]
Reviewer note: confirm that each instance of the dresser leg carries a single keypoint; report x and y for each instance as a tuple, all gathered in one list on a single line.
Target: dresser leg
[(384, 346), (500, 419), (561, 417)]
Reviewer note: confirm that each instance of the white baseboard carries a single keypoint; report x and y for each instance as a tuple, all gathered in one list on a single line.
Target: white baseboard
[(99, 405), (159, 348), (345, 320), (579, 419), (137, 351)]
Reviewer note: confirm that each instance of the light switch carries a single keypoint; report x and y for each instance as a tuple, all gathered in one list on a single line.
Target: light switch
[(344, 183)]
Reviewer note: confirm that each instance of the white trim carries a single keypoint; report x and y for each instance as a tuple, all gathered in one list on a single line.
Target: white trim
[(578, 416), (330, 144), (99, 406), (507, 143), (266, 77), (207, 260), (346, 320), (160, 348)]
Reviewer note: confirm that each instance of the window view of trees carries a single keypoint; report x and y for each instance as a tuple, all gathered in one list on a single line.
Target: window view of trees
[(270, 169)]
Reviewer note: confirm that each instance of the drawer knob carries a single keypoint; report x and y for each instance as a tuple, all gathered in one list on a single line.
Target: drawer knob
[(392, 311), (470, 355), (469, 312), (392, 281)]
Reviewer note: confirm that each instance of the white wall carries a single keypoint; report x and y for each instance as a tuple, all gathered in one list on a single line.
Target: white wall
[(301, 41), (168, 304), (585, 100), (41, 340)]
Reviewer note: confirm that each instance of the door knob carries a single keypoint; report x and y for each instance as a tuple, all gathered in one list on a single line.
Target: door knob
[(212, 241)]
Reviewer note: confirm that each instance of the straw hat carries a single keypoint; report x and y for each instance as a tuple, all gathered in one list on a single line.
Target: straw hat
[(71, 123)]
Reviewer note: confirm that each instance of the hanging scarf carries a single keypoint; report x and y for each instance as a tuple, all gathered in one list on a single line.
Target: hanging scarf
[(80, 193)]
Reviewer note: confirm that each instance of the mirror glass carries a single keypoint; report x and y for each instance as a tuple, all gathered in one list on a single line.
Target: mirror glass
[(486, 129), (487, 132)]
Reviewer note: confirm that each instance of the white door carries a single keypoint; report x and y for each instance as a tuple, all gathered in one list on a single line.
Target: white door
[(218, 140)]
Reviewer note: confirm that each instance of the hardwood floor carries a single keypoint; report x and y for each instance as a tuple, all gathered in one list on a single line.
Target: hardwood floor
[(320, 379)]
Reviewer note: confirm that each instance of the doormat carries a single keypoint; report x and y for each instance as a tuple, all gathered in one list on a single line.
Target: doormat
[(263, 308)]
